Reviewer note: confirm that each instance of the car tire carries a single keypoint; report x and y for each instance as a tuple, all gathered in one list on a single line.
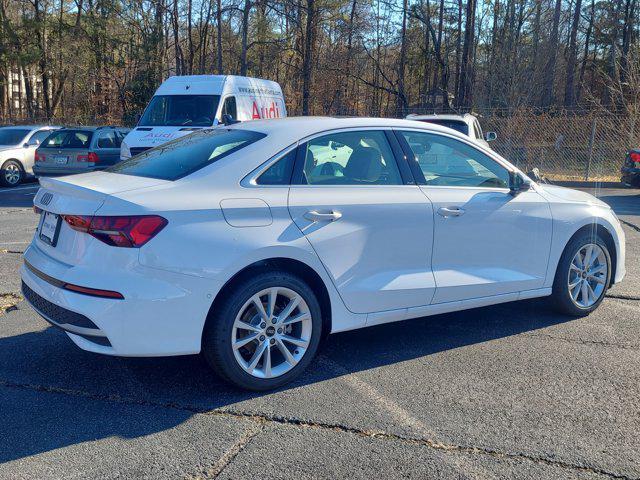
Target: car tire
[(11, 173), (573, 286), (238, 308)]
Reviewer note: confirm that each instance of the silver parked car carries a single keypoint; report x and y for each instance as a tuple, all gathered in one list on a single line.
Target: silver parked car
[(17, 149)]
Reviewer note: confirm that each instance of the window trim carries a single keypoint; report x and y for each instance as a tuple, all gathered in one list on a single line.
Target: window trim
[(417, 171), (406, 177)]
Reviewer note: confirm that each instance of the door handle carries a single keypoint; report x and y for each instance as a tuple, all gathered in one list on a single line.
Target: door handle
[(315, 216), (451, 211)]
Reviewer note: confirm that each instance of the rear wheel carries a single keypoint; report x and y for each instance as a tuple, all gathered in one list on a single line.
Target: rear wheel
[(583, 275), (265, 333), (11, 173)]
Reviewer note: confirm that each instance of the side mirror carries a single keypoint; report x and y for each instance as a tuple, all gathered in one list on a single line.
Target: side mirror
[(228, 119), (26, 145), (517, 184), (490, 136), (137, 118)]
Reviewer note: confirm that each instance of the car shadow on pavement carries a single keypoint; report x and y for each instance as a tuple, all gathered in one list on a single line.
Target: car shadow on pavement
[(56, 395)]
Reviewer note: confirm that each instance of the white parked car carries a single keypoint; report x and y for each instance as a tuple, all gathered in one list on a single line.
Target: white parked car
[(184, 104), (17, 151), (466, 124), (251, 242)]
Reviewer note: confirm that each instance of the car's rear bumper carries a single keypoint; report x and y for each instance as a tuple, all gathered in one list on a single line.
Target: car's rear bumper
[(162, 313)]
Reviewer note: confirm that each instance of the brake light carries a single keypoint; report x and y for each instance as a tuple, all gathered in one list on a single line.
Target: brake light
[(91, 157), (122, 231), (39, 157), (635, 157)]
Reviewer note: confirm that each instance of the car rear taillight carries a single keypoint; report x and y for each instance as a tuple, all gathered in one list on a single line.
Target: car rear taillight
[(129, 232), (91, 157), (38, 157), (635, 158)]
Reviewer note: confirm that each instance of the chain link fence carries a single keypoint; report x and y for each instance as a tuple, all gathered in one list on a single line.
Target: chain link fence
[(565, 146)]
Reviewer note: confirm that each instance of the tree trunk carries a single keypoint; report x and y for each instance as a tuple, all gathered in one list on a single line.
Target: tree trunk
[(465, 93), (307, 57), (550, 67), (245, 34), (569, 88), (219, 37), (401, 99)]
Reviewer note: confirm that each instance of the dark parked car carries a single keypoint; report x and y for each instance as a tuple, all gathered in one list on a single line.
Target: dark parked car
[(78, 150), (631, 169)]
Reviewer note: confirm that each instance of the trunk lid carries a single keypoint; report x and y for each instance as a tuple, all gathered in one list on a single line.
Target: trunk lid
[(79, 195)]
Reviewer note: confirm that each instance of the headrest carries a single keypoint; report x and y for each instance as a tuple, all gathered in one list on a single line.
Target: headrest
[(365, 164)]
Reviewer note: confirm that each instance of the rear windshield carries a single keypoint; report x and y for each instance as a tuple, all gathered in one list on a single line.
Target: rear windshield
[(68, 139), (180, 110), (12, 136), (458, 125), (185, 155)]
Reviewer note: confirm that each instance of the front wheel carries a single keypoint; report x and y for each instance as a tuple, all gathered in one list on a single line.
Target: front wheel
[(583, 275), (265, 333), (11, 174)]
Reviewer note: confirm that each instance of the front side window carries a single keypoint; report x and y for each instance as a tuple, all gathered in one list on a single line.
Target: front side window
[(179, 158), (350, 158), (180, 110), (12, 136), (446, 161), (68, 139), (229, 107)]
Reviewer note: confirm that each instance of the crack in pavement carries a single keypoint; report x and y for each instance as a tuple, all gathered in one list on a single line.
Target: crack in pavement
[(263, 419), (630, 225), (622, 297), (627, 346), (225, 460)]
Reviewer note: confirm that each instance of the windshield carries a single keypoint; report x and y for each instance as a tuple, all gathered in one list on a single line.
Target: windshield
[(458, 125), (12, 136), (179, 158), (180, 110)]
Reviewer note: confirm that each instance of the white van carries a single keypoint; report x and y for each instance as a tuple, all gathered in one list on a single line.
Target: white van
[(184, 104)]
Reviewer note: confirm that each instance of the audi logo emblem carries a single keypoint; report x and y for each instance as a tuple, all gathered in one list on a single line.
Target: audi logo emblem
[(46, 198)]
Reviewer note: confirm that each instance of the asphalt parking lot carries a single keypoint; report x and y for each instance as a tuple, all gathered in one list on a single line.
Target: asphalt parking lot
[(510, 391)]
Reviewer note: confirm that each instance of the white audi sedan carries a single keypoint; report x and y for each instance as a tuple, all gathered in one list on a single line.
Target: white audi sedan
[(250, 243)]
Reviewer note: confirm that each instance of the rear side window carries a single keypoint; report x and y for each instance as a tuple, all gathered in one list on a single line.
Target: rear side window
[(69, 139), (185, 155), (109, 139), (280, 172)]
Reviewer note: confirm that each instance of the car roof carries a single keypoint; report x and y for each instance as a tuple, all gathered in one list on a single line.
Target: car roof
[(449, 116), (291, 129), (92, 127), (30, 127)]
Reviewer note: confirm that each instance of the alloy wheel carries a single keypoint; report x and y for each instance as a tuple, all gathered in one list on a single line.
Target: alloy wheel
[(588, 275), (12, 174), (271, 332)]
